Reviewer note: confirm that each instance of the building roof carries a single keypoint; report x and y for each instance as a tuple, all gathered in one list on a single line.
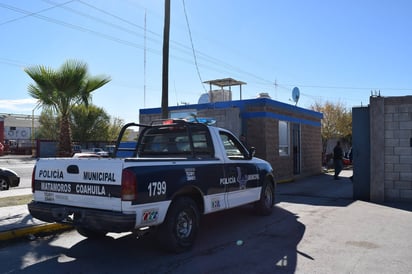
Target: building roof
[(20, 120), (242, 104), (225, 82)]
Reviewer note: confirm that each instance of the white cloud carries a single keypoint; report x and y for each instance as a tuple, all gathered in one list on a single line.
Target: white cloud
[(17, 105)]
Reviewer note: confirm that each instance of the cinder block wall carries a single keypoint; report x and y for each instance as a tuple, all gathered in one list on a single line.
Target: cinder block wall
[(260, 122), (148, 118), (225, 118), (311, 150), (397, 148), (263, 134)]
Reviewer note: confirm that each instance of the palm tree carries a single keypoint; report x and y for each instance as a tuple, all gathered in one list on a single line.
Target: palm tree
[(61, 90)]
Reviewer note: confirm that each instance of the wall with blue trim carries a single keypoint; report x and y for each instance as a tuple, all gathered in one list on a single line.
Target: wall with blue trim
[(258, 120)]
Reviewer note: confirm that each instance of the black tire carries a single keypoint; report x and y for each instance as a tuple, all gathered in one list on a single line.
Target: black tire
[(178, 231), (4, 183), (90, 233), (266, 202)]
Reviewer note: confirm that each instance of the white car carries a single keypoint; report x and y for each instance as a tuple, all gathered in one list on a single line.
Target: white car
[(86, 155), (100, 152)]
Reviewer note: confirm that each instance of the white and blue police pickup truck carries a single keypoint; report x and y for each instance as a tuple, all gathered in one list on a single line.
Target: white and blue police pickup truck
[(176, 171)]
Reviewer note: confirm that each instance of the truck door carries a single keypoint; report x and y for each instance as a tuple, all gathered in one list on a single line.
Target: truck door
[(182, 156), (209, 170), (240, 171)]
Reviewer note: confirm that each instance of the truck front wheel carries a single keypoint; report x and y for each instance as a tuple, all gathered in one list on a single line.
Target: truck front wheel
[(179, 230), (267, 199)]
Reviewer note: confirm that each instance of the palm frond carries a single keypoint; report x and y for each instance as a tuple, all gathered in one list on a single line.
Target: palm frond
[(63, 89)]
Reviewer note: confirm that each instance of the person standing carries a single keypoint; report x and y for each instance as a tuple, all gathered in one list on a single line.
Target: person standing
[(337, 160), (244, 140)]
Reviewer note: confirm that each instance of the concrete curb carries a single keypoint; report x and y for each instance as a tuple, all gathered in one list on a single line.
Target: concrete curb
[(32, 230)]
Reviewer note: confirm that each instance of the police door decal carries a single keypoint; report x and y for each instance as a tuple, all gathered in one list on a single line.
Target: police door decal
[(246, 186)]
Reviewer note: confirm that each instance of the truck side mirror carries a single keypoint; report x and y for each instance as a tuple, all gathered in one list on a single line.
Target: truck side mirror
[(252, 151)]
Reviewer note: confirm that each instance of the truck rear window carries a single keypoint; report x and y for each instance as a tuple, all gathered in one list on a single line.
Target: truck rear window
[(177, 140)]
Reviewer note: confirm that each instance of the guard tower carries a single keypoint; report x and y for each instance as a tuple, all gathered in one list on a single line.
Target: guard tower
[(222, 94)]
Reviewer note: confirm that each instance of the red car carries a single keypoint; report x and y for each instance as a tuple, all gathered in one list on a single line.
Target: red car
[(347, 159), (347, 162)]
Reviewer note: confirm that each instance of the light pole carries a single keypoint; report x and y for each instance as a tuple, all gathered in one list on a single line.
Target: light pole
[(33, 144)]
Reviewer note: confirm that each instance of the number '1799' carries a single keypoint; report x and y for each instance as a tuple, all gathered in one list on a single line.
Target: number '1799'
[(156, 188)]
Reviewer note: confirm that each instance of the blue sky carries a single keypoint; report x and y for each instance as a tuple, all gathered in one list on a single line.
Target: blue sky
[(336, 51)]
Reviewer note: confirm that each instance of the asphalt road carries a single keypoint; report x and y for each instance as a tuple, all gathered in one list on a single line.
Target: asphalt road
[(305, 234), (22, 165), (316, 227)]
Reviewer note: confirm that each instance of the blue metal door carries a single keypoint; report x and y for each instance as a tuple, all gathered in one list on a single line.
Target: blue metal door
[(361, 153)]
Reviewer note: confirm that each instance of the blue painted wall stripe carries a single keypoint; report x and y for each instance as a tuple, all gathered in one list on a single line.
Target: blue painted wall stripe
[(242, 104), (251, 115)]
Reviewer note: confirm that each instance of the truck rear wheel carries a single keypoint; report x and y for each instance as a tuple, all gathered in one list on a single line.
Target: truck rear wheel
[(90, 233), (179, 230)]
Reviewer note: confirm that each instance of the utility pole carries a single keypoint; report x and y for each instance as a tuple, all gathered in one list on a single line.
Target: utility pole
[(144, 63), (165, 71)]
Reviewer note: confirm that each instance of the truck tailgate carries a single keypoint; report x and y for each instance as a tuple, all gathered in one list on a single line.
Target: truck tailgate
[(80, 182)]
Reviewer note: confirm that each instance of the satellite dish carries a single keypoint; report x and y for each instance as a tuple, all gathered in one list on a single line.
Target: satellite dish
[(204, 99), (295, 95)]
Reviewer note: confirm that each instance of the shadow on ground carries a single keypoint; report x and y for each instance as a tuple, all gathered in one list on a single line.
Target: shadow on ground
[(268, 245), (317, 190)]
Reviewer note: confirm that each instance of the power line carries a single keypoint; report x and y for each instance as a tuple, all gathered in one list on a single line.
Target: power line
[(349, 88), (105, 22), (198, 55), (115, 16), (185, 48), (89, 16), (193, 48), (11, 62), (201, 55), (28, 14), (76, 27)]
